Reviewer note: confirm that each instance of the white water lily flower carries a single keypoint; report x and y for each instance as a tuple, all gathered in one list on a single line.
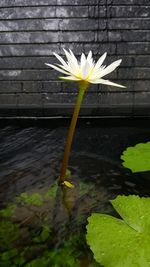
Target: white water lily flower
[(85, 70)]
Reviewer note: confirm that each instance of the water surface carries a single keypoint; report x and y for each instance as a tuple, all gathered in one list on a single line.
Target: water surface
[(31, 154)]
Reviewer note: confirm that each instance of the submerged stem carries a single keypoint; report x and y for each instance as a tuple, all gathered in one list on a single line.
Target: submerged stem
[(62, 176)]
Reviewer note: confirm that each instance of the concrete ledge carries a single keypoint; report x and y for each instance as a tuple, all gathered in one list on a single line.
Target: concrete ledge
[(65, 110)]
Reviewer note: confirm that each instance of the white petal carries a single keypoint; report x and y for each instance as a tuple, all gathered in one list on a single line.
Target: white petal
[(100, 61), (89, 55), (74, 58), (70, 78), (67, 68), (57, 68), (95, 74), (60, 59), (111, 67), (72, 62), (107, 82), (83, 58), (82, 61), (86, 70), (68, 56), (90, 60)]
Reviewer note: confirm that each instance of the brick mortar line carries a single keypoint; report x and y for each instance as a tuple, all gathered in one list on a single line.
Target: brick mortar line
[(73, 17), (51, 56), (100, 91), (87, 43), (53, 30), (49, 69), (44, 18), (77, 18), (59, 5), (108, 30), (76, 5), (120, 79), (75, 42)]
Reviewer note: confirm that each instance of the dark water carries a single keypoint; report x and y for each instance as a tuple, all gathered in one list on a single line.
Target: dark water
[(30, 156), (30, 160)]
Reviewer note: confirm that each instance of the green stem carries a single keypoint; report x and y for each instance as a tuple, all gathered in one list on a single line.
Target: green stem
[(62, 176)]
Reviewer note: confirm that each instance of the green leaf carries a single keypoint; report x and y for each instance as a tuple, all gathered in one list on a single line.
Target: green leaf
[(134, 210), (122, 243), (11, 258), (37, 263), (9, 233), (34, 199), (51, 193), (8, 211), (137, 158), (43, 236), (5, 256), (19, 260)]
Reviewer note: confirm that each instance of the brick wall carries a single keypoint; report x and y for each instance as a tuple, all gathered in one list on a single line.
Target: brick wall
[(31, 30)]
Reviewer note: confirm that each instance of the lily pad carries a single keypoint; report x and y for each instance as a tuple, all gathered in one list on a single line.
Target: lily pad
[(122, 242), (137, 158)]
